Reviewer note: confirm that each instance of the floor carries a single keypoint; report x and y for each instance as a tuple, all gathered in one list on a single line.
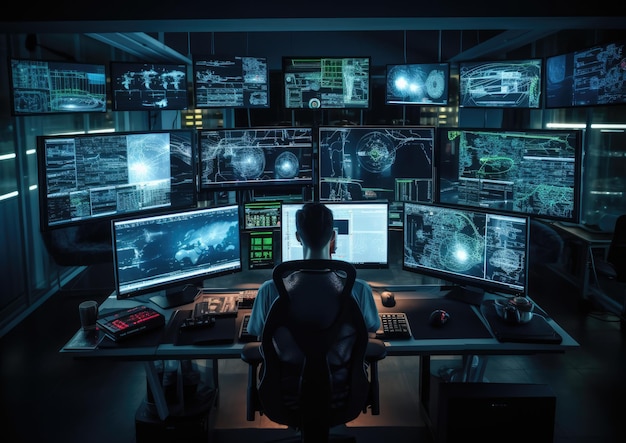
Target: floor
[(49, 397)]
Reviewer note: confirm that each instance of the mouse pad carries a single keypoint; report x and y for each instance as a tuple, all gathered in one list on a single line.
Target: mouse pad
[(222, 332), (463, 323), (537, 330)]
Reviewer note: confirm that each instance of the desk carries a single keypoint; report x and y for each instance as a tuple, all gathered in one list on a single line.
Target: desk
[(470, 348), (581, 248)]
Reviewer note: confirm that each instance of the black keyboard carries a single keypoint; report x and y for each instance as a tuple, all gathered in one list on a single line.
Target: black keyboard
[(393, 325), (244, 335)]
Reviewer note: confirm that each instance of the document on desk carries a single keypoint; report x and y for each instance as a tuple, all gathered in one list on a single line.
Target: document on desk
[(87, 340)]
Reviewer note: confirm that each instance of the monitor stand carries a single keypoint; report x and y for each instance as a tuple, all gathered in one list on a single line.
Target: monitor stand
[(468, 294), (178, 296)]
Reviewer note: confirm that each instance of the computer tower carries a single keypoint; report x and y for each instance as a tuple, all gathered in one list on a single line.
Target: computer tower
[(187, 426), (491, 412)]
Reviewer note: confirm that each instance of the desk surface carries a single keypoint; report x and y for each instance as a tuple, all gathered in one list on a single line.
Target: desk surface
[(148, 347), (591, 237)]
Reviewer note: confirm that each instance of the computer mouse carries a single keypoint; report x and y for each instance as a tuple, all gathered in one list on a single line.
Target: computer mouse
[(439, 317), (388, 299)]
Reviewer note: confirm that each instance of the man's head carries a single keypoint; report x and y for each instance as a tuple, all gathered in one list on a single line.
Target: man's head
[(314, 227)]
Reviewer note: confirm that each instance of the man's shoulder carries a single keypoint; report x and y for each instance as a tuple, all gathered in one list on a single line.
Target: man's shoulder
[(361, 284)]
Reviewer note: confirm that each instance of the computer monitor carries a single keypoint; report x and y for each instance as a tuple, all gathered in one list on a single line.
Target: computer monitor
[(476, 250), (255, 157), (261, 215), (174, 252), (361, 227), (529, 172), (392, 163), (500, 84), (148, 86), (327, 82), (89, 177), (231, 82), (417, 84), (50, 87), (590, 77)]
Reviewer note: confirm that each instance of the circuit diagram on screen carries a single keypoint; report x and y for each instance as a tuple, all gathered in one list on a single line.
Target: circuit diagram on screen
[(528, 173), (393, 164)]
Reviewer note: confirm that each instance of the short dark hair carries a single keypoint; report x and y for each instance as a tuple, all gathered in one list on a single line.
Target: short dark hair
[(314, 223)]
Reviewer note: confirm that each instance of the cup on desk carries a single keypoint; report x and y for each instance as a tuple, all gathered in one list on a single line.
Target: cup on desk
[(88, 311)]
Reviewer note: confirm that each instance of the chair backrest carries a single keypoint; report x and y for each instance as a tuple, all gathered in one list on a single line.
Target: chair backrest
[(616, 254), (313, 346)]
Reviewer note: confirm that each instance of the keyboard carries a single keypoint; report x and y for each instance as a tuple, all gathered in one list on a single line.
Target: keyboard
[(393, 325), (244, 335)]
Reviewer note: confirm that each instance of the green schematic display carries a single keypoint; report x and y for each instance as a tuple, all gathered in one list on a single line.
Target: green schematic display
[(532, 172)]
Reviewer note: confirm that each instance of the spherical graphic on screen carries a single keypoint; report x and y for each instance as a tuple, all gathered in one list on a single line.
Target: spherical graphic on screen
[(556, 69), (286, 165), (248, 163), (408, 82), (376, 152), (435, 84)]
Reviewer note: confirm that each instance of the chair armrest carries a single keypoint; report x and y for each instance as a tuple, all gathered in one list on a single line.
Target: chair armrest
[(251, 353), (376, 350)]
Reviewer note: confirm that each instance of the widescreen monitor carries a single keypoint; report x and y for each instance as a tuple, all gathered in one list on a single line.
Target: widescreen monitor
[(362, 234), (175, 252), (500, 84), (148, 86), (475, 249), (327, 82), (97, 176), (231, 82), (48, 87), (255, 157), (591, 77), (417, 84), (530, 172), (393, 163)]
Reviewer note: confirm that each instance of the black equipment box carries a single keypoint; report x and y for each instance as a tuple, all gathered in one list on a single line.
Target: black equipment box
[(189, 425), (491, 412), (128, 322)]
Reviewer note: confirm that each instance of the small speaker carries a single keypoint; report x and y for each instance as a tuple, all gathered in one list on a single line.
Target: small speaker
[(492, 412)]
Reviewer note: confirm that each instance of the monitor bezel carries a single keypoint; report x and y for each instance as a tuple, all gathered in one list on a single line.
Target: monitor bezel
[(181, 283), (578, 159), (254, 183), (501, 63), (190, 191), (467, 282), (318, 104), (390, 98), (116, 67), (13, 88)]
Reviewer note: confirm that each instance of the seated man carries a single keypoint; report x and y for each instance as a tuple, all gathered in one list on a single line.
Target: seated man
[(314, 230)]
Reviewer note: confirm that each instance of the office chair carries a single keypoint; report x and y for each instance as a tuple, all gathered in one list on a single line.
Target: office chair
[(315, 366), (611, 272)]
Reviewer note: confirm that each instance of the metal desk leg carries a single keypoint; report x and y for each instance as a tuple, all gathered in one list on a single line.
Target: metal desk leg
[(157, 390)]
